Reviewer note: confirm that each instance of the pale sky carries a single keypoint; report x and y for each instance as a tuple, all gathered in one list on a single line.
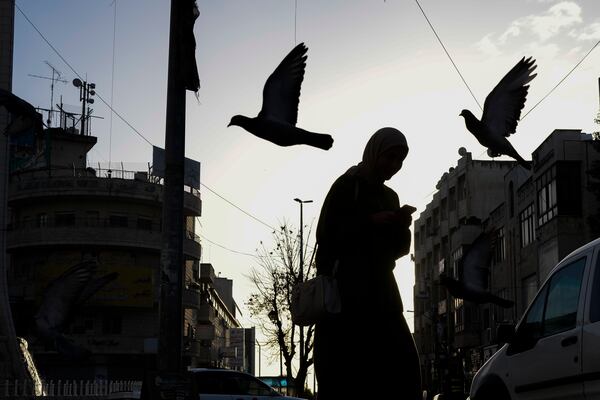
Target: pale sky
[(370, 64)]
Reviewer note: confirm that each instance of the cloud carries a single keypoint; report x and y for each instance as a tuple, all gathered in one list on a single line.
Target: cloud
[(562, 15), (488, 47), (540, 28), (590, 32), (513, 30)]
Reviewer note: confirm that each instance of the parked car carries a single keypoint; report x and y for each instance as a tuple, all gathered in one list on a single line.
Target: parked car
[(225, 384), (554, 352)]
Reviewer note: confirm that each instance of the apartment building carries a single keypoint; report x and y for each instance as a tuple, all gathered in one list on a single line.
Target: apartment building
[(535, 217)]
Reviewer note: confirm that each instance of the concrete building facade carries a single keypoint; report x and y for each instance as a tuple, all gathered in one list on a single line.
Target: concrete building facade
[(61, 212), (535, 217)]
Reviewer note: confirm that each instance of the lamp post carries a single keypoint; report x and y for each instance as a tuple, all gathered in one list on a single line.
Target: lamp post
[(259, 357), (301, 274)]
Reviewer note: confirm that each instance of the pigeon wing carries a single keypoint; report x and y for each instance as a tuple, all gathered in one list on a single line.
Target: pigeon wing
[(502, 107), (281, 93), (476, 263), (62, 293)]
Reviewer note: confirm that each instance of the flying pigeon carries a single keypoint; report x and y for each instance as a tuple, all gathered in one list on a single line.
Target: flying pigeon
[(472, 285), (502, 111), (62, 296), (276, 121)]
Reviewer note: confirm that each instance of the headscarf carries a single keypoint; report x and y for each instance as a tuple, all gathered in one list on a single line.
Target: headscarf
[(381, 141)]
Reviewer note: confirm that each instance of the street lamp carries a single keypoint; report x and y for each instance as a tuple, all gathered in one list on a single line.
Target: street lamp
[(274, 317), (301, 274), (259, 357)]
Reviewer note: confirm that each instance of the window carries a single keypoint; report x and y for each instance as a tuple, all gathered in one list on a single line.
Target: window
[(563, 297), (452, 199), (436, 218), (595, 301), (444, 209), (459, 315), (568, 181), (428, 227), (500, 316), (456, 258), (462, 188), (42, 220), (144, 223), (118, 221), (111, 325), (64, 219), (554, 310), (92, 218), (532, 326), (499, 246), (546, 196), (486, 318), (529, 287), (527, 227), (511, 201)]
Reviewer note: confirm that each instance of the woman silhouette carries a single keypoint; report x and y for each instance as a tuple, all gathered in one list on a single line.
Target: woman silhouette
[(367, 351)]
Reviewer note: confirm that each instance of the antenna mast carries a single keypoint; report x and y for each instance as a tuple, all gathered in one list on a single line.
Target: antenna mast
[(56, 77)]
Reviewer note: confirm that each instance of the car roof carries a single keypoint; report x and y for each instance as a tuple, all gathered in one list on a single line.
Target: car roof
[(583, 248)]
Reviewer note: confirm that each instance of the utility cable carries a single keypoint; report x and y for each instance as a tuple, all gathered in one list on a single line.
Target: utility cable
[(562, 80), (79, 76), (448, 54), (112, 83), (123, 119)]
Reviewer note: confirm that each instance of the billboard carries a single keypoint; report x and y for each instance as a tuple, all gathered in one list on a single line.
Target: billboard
[(191, 168)]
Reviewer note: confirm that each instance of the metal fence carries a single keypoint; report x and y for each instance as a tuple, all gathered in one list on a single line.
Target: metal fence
[(98, 389)]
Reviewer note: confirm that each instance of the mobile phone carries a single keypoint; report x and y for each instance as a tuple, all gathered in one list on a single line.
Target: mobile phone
[(408, 208)]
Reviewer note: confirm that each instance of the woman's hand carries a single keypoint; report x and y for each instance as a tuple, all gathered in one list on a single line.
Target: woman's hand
[(399, 217)]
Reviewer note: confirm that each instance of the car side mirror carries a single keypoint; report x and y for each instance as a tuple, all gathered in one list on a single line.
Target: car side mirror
[(505, 333)]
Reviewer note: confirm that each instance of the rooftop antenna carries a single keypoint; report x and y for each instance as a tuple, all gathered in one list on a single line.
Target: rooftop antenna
[(56, 77)]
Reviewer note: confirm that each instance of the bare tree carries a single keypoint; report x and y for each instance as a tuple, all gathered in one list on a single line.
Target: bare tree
[(277, 272)]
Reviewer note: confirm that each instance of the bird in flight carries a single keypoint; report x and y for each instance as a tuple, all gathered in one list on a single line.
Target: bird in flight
[(502, 111), (276, 121), (61, 297), (472, 284)]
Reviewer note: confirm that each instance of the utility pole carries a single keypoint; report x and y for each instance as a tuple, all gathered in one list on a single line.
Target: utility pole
[(170, 307), (11, 364)]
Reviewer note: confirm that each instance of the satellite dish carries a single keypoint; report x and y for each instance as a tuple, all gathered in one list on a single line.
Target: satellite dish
[(462, 151), (77, 82)]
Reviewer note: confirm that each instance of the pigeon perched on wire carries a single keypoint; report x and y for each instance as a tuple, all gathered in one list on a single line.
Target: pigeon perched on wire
[(61, 298), (502, 111), (473, 281), (276, 121)]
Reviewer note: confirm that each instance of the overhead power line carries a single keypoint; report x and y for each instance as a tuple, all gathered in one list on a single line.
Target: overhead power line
[(562, 80), (448, 54), (79, 76)]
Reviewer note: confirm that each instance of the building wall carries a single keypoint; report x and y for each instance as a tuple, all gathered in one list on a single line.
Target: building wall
[(537, 217), (59, 219), (10, 358)]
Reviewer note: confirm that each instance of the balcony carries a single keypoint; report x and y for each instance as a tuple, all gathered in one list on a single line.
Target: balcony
[(83, 232), (206, 314), (191, 297), (29, 187)]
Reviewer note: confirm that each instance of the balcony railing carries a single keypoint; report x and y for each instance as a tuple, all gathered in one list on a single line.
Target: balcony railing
[(106, 230)]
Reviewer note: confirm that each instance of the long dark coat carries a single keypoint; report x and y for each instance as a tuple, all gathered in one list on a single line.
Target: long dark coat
[(368, 349)]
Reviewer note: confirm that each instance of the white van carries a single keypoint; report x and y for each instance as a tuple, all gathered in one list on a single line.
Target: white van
[(554, 352)]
